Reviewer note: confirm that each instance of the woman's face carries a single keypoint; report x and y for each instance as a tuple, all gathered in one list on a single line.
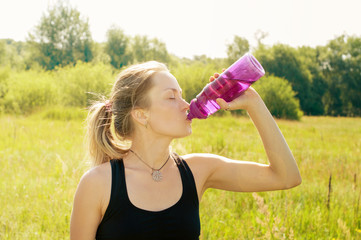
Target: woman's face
[(168, 111)]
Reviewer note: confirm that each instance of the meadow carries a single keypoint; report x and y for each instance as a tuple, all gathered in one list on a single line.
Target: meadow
[(42, 160)]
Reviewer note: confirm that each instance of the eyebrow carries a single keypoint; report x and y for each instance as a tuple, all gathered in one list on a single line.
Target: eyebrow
[(173, 89)]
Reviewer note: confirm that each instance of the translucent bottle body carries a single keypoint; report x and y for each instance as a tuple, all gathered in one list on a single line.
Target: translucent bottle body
[(228, 86)]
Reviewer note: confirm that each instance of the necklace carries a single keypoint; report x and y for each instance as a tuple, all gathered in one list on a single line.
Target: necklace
[(156, 174)]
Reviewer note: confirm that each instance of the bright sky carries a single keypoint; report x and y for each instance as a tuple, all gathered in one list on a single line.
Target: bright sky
[(195, 27)]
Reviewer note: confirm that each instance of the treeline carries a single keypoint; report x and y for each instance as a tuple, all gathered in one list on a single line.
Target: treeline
[(60, 64)]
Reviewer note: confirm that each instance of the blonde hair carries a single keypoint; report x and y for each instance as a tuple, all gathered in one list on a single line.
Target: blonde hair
[(129, 91)]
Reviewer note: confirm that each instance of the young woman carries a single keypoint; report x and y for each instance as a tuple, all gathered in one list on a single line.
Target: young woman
[(143, 190)]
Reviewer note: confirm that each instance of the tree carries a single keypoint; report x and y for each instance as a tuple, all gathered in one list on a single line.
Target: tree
[(237, 49), (61, 38), (283, 61), (260, 35), (341, 64), (117, 47), (353, 75), (12, 53), (310, 58), (145, 49)]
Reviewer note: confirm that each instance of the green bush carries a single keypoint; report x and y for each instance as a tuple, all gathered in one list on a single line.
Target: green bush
[(279, 97), (79, 84), (28, 90), (76, 86), (192, 78), (22, 92), (4, 75)]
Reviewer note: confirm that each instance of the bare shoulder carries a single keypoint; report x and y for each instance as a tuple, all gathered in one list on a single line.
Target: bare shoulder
[(88, 202), (94, 182), (202, 166), (97, 175), (204, 163)]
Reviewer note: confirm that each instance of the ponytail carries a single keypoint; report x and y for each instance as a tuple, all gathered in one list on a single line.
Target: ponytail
[(102, 146), (108, 139)]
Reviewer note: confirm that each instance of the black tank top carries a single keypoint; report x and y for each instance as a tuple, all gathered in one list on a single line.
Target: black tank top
[(122, 220)]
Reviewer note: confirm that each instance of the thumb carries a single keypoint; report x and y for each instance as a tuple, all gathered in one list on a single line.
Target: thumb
[(222, 103)]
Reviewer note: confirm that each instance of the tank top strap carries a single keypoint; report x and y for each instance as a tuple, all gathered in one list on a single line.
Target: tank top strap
[(187, 178)]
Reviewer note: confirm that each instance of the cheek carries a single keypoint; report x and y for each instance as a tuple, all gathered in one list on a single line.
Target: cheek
[(165, 117)]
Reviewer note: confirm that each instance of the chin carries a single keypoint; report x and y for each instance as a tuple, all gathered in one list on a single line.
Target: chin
[(184, 134), (189, 132)]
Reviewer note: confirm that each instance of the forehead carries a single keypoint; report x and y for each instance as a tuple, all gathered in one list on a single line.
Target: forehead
[(163, 81)]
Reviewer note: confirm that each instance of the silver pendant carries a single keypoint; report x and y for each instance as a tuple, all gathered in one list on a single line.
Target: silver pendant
[(157, 176)]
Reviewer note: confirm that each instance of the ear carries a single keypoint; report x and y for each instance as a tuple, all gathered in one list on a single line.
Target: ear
[(140, 115)]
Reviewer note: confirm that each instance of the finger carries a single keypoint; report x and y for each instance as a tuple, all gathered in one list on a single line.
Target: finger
[(222, 103), (211, 79), (223, 69), (216, 75)]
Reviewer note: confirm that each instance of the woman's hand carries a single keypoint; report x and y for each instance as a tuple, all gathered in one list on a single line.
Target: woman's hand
[(245, 101)]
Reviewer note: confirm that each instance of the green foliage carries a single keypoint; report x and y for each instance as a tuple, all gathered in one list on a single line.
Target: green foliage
[(326, 79), (61, 38), (99, 53), (341, 61), (237, 49), (279, 97), (29, 90), (4, 88), (118, 47), (145, 49), (83, 83), (283, 61), (192, 78), (13, 54), (2, 52), (25, 91), (4, 75), (310, 58)]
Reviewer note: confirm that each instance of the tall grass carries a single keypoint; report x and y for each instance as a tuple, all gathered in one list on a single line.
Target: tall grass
[(42, 160)]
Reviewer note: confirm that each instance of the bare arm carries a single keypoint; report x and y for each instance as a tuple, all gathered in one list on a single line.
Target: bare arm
[(236, 175), (282, 162), (86, 214)]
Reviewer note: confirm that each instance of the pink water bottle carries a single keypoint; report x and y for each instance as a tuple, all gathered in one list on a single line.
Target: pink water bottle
[(229, 85)]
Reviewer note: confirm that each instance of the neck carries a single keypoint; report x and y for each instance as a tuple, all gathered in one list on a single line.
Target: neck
[(154, 152)]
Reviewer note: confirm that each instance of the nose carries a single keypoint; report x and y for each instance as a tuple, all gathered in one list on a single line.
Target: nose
[(186, 104)]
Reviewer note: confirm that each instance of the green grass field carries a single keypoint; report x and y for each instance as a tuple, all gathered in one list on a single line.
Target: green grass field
[(42, 160)]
